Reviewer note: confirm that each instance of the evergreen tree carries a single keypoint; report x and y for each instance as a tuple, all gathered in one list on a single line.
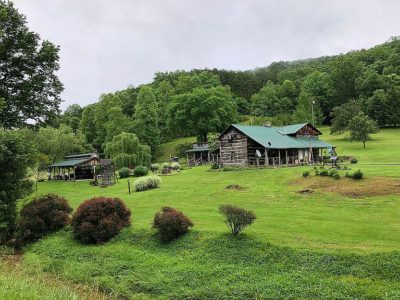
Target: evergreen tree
[(146, 120)]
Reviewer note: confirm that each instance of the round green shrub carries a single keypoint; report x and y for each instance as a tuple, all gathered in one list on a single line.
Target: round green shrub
[(140, 171), (99, 219), (357, 175), (237, 218), (353, 160), (155, 167), (165, 165), (323, 172), (124, 172), (175, 166), (43, 215), (306, 173), (147, 183), (171, 223)]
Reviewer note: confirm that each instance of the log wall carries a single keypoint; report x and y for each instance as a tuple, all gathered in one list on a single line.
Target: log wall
[(233, 148)]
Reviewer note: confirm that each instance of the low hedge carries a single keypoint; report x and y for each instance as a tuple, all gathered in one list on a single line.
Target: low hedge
[(147, 183)]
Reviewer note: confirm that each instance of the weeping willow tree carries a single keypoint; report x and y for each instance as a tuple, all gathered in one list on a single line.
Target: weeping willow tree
[(126, 151)]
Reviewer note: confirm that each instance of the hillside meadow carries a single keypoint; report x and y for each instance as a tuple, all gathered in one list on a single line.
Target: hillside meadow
[(331, 242)]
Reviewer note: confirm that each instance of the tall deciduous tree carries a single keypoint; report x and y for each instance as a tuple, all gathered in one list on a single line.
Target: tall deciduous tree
[(316, 92), (269, 103), (361, 127), (16, 155), (59, 142), (202, 111), (342, 115), (126, 151), (28, 82), (88, 123), (146, 118)]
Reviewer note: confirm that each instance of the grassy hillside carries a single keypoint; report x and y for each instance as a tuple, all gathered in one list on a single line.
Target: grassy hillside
[(166, 150), (341, 241)]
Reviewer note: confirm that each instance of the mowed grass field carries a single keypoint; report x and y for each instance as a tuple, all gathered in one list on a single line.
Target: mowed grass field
[(332, 243)]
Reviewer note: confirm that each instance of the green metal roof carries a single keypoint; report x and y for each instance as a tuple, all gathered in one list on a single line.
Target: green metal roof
[(70, 162), (314, 142), (199, 149), (262, 135)]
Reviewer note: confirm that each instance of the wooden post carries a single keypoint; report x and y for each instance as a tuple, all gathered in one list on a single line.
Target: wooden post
[(187, 158), (287, 161), (208, 154), (279, 152), (266, 162)]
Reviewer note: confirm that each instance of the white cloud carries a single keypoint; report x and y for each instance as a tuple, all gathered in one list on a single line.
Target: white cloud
[(108, 45)]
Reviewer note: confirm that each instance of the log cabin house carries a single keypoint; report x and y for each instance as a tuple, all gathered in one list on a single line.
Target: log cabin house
[(287, 145)]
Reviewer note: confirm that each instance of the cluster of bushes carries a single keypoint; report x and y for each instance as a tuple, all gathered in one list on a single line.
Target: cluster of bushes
[(137, 172), (326, 173), (99, 219), (147, 183), (357, 175), (334, 173), (96, 220)]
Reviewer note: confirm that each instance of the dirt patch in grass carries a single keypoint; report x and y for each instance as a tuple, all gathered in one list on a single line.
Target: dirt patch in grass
[(306, 191), (368, 187), (235, 187)]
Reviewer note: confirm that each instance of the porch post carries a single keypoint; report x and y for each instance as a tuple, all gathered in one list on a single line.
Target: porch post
[(266, 158), (187, 158), (279, 152), (287, 162), (208, 154)]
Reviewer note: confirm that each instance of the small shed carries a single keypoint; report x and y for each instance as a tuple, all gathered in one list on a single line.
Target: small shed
[(76, 167), (200, 154)]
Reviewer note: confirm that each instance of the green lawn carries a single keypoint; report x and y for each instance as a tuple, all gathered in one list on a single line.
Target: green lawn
[(322, 245)]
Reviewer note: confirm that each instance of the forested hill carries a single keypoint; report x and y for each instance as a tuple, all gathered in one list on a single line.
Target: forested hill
[(199, 102)]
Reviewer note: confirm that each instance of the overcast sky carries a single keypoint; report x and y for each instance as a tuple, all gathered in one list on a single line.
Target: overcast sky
[(109, 45)]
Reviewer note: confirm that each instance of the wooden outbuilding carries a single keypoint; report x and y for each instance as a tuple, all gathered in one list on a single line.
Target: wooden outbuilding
[(244, 145), (79, 166)]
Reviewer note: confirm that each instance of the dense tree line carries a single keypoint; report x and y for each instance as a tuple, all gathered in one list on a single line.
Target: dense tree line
[(199, 102)]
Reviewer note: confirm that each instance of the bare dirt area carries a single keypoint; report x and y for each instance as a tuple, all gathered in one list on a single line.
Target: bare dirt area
[(368, 187), (235, 187)]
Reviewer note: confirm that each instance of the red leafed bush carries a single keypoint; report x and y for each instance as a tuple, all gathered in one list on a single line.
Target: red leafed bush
[(99, 219), (171, 223), (43, 215)]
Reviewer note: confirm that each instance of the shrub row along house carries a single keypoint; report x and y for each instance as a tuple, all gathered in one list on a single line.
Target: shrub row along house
[(243, 145)]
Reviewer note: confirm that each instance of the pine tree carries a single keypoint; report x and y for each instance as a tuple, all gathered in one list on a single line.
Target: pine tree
[(146, 121)]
